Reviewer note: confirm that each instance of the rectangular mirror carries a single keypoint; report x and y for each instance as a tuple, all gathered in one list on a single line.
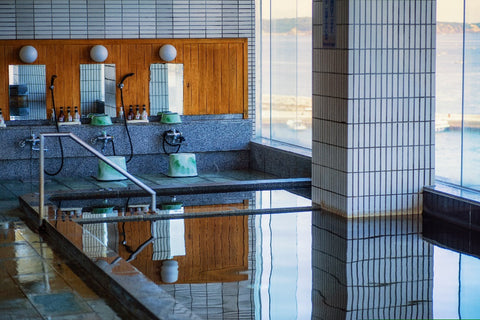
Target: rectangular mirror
[(97, 89), (166, 88), (27, 92)]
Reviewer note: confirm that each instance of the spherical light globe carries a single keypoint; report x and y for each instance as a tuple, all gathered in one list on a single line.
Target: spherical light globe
[(98, 53), (28, 54), (167, 52)]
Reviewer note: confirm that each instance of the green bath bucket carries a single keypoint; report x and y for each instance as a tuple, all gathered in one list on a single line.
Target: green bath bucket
[(182, 165), (107, 173)]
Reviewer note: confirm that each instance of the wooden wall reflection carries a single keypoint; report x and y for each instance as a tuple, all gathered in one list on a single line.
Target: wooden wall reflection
[(216, 249)]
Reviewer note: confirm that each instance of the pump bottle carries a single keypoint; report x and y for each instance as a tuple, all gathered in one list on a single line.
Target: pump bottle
[(130, 115), (137, 114), (76, 116), (69, 115), (61, 116), (144, 113)]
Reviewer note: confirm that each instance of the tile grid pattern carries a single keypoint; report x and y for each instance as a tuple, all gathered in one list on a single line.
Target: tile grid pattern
[(33, 76), (91, 87), (110, 19), (373, 106), (371, 268)]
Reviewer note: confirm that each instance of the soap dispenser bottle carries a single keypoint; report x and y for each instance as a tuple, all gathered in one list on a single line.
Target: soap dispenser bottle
[(61, 115), (137, 114), (76, 116), (144, 113), (69, 115), (130, 115), (2, 120)]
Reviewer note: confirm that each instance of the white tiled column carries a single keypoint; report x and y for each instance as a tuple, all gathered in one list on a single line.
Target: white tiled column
[(373, 105)]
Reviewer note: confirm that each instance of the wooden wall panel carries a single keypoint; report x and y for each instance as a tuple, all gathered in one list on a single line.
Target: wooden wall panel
[(215, 73), (4, 82)]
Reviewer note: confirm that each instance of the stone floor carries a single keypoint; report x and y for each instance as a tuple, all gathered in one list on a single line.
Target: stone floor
[(35, 282)]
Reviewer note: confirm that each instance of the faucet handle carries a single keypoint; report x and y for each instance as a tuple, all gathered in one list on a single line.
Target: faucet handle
[(35, 148)]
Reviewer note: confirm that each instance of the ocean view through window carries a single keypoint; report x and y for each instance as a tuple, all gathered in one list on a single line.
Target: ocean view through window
[(284, 46), (457, 139)]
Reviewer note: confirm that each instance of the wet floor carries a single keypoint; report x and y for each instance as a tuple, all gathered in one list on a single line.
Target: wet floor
[(35, 283)]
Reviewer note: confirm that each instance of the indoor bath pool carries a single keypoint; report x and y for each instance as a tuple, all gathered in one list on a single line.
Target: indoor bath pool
[(265, 255)]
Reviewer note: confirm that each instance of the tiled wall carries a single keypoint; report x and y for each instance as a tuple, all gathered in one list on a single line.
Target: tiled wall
[(90, 19), (373, 105)]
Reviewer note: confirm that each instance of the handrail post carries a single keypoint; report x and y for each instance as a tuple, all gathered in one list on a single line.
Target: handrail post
[(42, 179)]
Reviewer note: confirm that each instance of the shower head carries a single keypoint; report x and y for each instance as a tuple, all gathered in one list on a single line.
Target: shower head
[(52, 80), (120, 85)]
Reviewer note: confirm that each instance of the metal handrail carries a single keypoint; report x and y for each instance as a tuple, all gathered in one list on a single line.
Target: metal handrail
[(98, 155)]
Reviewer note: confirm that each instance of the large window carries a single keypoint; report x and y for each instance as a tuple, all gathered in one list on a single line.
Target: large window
[(457, 94), (284, 48)]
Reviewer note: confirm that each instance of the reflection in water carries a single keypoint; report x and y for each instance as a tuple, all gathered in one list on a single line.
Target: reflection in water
[(457, 285), (296, 265), (371, 268)]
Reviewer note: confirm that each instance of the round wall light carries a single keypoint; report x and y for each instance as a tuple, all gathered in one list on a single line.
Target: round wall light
[(98, 53), (28, 54), (167, 52)]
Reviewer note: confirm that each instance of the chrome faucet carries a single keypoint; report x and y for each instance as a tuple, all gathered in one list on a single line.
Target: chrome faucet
[(33, 141), (103, 138)]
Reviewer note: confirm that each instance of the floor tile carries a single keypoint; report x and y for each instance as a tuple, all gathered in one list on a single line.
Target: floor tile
[(6, 194), (31, 266), (9, 289), (55, 186), (7, 236), (19, 249), (18, 309), (84, 316), (41, 284), (74, 281), (76, 184), (20, 188), (57, 304)]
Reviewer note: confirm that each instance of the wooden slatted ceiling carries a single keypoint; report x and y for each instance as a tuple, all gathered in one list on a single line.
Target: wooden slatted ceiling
[(215, 70)]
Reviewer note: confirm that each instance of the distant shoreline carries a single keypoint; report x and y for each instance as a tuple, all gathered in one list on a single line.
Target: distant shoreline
[(303, 26), (457, 27), (454, 121)]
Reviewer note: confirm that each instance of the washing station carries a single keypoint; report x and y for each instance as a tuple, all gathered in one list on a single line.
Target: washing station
[(179, 164)]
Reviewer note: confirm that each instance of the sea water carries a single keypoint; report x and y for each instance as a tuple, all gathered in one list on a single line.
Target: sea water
[(455, 98)]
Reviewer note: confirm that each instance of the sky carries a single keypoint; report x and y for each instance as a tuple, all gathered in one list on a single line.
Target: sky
[(287, 8), (447, 10), (452, 11)]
